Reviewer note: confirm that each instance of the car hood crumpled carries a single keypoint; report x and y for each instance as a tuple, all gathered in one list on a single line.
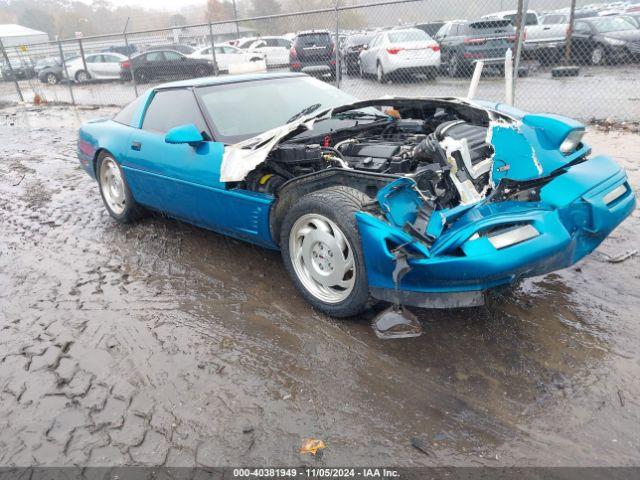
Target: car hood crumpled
[(241, 158)]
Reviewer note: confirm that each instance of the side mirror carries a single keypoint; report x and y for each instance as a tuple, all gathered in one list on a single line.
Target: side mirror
[(184, 134), (365, 46)]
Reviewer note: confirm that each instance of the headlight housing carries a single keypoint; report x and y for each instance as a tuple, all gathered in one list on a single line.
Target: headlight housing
[(572, 141)]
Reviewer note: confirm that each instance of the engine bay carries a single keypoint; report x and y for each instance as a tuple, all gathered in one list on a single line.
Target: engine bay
[(447, 154)]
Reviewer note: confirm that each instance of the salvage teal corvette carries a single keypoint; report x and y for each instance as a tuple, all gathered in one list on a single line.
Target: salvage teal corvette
[(419, 201)]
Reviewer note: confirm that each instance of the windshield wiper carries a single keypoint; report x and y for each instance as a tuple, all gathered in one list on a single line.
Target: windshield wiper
[(305, 111), (359, 114)]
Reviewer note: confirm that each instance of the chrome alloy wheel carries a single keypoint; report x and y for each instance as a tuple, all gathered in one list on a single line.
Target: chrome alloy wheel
[(112, 185), (322, 258)]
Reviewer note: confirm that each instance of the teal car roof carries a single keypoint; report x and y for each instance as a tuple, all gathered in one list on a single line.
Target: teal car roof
[(226, 79)]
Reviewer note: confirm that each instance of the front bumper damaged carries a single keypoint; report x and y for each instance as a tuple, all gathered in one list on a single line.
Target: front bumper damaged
[(463, 253)]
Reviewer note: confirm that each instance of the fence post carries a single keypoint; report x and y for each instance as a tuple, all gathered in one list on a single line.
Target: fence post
[(523, 6), (337, 45), (213, 50), (15, 80), (84, 61), (66, 72), (235, 16), (567, 47), (126, 45)]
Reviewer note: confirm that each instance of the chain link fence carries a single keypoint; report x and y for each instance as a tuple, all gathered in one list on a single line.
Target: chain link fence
[(520, 51)]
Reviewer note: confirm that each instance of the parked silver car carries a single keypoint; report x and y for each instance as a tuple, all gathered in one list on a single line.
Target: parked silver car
[(407, 51)]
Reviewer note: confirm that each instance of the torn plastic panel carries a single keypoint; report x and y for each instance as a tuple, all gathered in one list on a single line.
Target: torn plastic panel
[(490, 244)]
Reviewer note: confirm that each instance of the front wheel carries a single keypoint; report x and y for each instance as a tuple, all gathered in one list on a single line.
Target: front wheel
[(598, 56), (114, 190), (51, 78), (321, 251)]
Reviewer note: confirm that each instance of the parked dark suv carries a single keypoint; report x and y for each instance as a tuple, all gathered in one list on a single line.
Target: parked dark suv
[(313, 52), (463, 43)]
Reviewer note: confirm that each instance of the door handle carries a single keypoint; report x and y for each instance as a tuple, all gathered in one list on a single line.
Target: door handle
[(136, 146)]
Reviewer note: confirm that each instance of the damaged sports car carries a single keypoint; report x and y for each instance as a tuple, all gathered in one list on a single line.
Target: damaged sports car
[(428, 202)]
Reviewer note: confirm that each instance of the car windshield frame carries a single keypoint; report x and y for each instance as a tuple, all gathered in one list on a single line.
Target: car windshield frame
[(281, 86)]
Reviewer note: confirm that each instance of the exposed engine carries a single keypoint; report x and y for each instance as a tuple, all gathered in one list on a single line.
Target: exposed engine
[(449, 158)]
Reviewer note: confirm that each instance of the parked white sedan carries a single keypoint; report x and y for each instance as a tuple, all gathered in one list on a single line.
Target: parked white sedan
[(99, 66), (408, 51)]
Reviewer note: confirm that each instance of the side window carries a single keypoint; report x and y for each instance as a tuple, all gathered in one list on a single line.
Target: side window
[(111, 59), (155, 57), (171, 108), (228, 50), (283, 42), (125, 116), (582, 27), (207, 51), (94, 59), (172, 56), (443, 31)]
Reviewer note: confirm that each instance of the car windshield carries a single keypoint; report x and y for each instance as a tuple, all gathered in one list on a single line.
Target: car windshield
[(612, 24), (245, 109), (312, 39), (408, 36), (359, 39)]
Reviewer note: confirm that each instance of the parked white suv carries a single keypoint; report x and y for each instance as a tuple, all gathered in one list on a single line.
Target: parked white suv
[(407, 51)]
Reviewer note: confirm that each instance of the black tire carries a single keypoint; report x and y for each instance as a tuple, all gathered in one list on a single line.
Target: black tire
[(132, 211), (453, 66), (598, 55), (202, 71), (51, 78), (338, 204), (142, 76), (82, 76), (380, 75)]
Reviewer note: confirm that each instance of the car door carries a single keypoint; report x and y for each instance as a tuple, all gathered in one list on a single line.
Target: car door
[(110, 65), (172, 178), (94, 65), (176, 65), (154, 64), (183, 180)]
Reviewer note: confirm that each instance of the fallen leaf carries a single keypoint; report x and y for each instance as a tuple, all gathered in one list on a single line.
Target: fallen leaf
[(312, 445)]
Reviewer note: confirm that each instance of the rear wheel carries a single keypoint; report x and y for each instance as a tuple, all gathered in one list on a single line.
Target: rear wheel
[(321, 251), (380, 75), (114, 190), (202, 71), (453, 66), (82, 76), (142, 76)]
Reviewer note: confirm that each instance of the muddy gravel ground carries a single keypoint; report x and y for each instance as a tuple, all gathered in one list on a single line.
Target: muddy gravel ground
[(164, 344)]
